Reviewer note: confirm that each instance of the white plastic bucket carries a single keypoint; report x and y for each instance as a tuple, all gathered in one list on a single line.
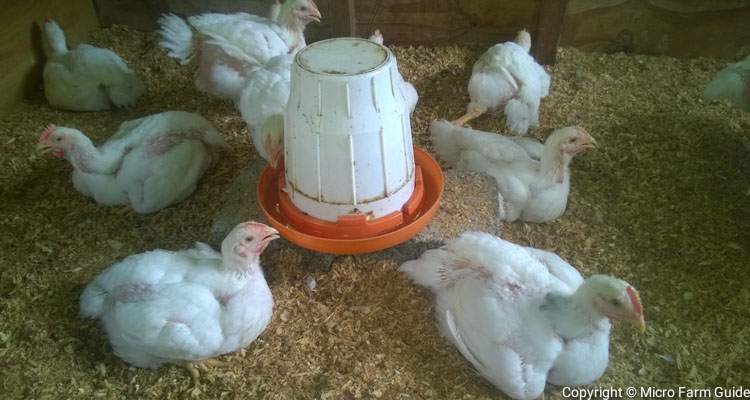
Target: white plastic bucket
[(347, 133)]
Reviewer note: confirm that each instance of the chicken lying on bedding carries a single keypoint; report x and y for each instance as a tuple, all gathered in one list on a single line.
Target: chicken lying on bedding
[(533, 180), (185, 306), (149, 163), (227, 47), (86, 78), (507, 77), (523, 317), (732, 83)]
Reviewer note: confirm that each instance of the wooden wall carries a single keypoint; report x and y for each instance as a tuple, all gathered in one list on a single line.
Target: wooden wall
[(401, 21), (21, 51), (681, 28)]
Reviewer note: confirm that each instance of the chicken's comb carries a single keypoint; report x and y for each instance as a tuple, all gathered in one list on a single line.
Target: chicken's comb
[(255, 225), (47, 132), (635, 299)]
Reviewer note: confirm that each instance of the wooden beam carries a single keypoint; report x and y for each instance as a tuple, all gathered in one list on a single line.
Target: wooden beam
[(549, 27), (344, 21)]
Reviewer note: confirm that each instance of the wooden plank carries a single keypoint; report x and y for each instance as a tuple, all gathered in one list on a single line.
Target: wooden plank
[(344, 21), (140, 15), (21, 54), (549, 28), (431, 22), (684, 28)]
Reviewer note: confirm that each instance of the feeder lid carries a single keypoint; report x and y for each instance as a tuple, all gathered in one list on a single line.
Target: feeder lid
[(342, 56)]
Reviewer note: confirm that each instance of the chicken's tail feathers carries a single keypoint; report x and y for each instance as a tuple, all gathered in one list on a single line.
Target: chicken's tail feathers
[(445, 141), (126, 90), (520, 116), (93, 300), (226, 83), (176, 37), (424, 271)]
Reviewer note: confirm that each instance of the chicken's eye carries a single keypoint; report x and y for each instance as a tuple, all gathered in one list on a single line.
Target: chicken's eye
[(615, 302), (303, 8), (571, 140), (249, 239), (58, 139)]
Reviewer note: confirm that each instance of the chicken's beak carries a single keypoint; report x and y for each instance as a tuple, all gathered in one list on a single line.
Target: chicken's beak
[(639, 322), (270, 235), (585, 140), (314, 14), (43, 148)]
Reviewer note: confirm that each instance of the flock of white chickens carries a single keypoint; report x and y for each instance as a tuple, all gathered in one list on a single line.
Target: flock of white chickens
[(522, 317)]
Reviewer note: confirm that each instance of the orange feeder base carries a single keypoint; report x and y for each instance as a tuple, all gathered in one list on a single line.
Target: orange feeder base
[(353, 234)]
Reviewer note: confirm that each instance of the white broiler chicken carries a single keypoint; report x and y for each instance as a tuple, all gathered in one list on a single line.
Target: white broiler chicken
[(228, 47), (149, 163), (731, 83), (533, 180), (407, 89), (182, 307), (507, 77), (522, 316), (86, 78)]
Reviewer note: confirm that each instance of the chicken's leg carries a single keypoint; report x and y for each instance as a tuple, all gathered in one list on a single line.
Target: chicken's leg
[(472, 113), (192, 367)]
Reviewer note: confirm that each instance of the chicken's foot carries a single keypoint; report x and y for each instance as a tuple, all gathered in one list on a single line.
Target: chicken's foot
[(470, 115)]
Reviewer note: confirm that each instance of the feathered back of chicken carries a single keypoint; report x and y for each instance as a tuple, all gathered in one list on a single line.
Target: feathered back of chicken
[(176, 37), (445, 141)]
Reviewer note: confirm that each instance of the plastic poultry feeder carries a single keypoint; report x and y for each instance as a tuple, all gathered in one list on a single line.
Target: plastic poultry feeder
[(352, 181)]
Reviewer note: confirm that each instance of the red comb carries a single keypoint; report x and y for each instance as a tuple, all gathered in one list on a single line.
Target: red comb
[(635, 299), (47, 132)]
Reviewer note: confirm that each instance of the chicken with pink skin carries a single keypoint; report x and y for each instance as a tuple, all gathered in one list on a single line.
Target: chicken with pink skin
[(523, 317), (506, 77), (533, 179), (183, 307), (228, 47), (148, 164)]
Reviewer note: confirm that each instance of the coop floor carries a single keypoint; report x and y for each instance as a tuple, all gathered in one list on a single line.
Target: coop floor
[(662, 204)]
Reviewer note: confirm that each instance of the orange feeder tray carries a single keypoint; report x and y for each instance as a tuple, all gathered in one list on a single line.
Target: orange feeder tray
[(353, 234)]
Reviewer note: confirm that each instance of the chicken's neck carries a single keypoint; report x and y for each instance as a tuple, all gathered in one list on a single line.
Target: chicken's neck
[(554, 165), (240, 268), (274, 12), (296, 31), (89, 159), (572, 316), (56, 42)]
